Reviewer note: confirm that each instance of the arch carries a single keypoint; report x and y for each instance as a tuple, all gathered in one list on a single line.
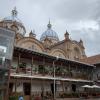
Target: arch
[(76, 49), (76, 52), (30, 43), (58, 52)]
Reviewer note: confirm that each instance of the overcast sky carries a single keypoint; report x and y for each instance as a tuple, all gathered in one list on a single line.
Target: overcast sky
[(81, 18)]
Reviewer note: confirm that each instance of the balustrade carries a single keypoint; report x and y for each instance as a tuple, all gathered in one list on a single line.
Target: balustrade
[(49, 72)]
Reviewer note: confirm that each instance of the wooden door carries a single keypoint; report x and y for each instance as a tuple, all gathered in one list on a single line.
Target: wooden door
[(27, 91)]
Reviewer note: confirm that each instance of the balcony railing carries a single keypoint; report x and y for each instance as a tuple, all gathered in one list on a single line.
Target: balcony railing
[(67, 74)]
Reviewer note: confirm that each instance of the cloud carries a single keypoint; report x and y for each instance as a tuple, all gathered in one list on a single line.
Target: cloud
[(71, 10), (90, 38)]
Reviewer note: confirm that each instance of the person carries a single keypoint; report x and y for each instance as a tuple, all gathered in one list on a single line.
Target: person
[(21, 98), (42, 96), (37, 97)]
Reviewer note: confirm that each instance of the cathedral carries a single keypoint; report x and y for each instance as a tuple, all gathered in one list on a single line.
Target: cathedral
[(49, 41), (47, 67)]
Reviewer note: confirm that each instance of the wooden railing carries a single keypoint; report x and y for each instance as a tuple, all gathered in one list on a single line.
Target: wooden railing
[(74, 75)]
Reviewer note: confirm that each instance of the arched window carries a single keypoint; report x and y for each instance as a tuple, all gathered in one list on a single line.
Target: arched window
[(33, 47), (58, 52), (76, 53)]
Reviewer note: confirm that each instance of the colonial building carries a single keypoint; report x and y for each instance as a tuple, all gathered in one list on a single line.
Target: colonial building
[(47, 67), (49, 41), (94, 60)]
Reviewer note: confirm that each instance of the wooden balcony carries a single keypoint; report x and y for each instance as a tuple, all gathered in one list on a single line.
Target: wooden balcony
[(75, 75)]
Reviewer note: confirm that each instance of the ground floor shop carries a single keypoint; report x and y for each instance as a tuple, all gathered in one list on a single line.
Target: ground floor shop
[(44, 87)]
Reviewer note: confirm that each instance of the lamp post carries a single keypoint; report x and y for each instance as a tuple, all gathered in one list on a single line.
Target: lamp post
[(6, 52), (54, 89)]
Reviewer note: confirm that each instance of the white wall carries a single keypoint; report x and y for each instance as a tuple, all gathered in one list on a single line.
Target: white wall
[(37, 86), (19, 87)]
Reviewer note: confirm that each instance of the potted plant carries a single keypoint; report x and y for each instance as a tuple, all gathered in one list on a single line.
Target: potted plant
[(22, 66), (41, 69)]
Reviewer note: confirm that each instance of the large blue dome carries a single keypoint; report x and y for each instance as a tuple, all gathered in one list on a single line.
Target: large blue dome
[(50, 34)]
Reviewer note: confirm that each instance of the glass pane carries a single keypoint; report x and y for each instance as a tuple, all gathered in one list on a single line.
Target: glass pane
[(6, 51)]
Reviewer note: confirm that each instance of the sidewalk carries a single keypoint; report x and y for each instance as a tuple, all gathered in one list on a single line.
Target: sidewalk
[(69, 99), (78, 99)]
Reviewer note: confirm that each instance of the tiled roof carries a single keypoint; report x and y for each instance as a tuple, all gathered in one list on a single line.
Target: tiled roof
[(28, 53), (92, 60)]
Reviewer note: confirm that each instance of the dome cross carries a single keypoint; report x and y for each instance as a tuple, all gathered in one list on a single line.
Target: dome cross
[(49, 25), (14, 13)]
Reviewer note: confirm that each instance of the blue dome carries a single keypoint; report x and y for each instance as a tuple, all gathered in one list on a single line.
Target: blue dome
[(49, 33)]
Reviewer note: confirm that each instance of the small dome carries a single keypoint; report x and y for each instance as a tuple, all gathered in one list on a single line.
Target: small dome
[(10, 18), (50, 34), (14, 18)]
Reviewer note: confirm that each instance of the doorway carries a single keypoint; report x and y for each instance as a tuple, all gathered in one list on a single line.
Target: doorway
[(11, 88), (27, 90), (73, 87), (52, 88)]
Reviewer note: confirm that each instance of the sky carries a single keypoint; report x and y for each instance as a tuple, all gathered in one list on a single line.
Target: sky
[(81, 18)]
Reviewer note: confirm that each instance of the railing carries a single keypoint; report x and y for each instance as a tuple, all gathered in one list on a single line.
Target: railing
[(98, 77), (69, 74)]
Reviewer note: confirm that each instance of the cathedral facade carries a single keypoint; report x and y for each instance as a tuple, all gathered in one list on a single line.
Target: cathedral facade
[(46, 67), (49, 41)]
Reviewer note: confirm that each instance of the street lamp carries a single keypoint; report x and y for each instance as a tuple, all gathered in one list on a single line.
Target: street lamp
[(6, 52), (54, 90)]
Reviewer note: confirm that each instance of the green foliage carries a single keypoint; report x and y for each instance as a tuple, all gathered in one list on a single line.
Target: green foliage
[(69, 95), (0, 61), (35, 69), (41, 69), (58, 70), (22, 65), (0, 98), (13, 98)]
